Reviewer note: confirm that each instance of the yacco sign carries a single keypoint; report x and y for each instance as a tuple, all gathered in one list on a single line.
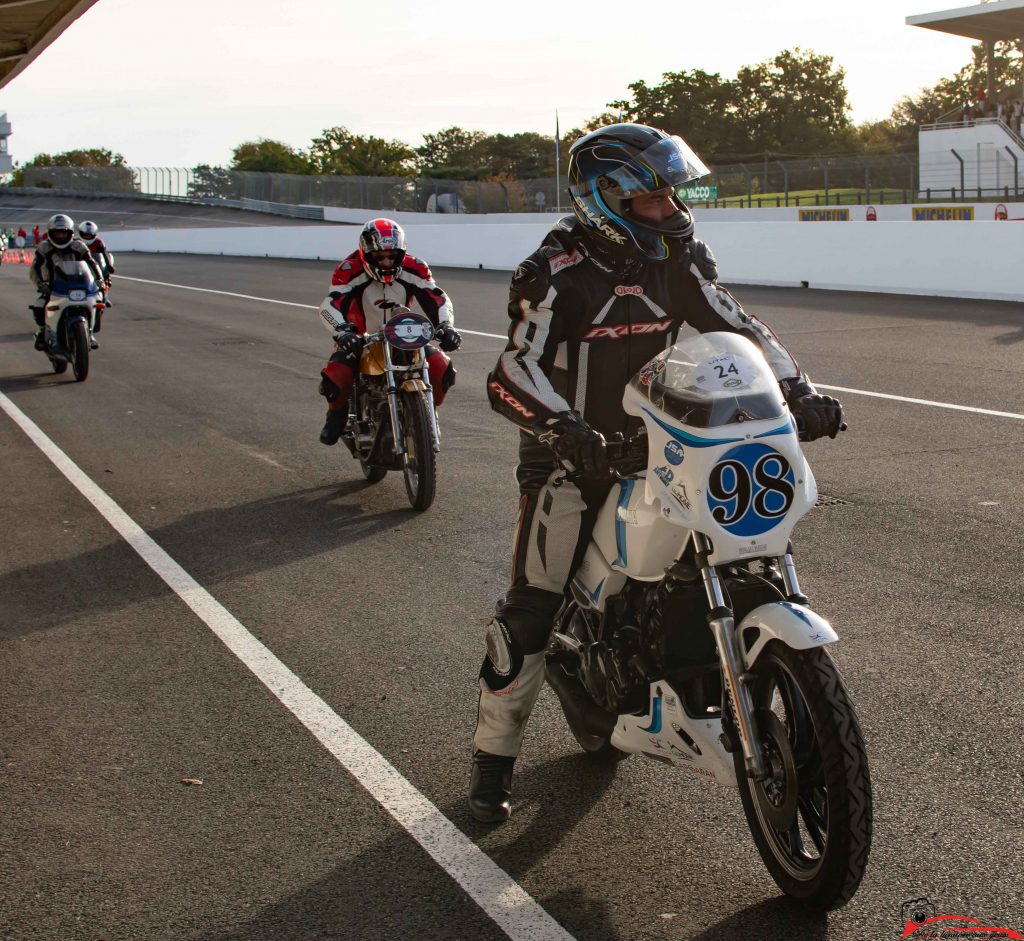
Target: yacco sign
[(942, 213), (824, 215), (700, 192)]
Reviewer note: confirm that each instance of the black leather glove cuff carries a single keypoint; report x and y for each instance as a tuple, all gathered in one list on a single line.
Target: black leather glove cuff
[(449, 339)]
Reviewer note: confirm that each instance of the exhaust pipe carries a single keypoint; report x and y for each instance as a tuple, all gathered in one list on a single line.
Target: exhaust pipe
[(582, 713)]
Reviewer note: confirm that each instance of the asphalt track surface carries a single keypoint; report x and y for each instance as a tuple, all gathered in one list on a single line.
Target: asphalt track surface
[(200, 420)]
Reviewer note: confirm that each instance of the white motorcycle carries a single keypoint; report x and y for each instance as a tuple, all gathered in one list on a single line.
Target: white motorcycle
[(685, 636), (69, 316)]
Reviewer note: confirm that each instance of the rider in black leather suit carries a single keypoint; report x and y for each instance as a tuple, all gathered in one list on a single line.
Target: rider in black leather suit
[(608, 289)]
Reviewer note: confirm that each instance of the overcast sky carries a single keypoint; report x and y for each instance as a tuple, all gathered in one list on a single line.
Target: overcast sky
[(183, 83)]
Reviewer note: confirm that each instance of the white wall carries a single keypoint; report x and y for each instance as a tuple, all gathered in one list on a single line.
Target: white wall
[(980, 260), (983, 149)]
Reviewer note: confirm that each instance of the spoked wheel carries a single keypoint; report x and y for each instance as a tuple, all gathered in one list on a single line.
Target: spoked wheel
[(811, 817), (79, 345), (420, 462)]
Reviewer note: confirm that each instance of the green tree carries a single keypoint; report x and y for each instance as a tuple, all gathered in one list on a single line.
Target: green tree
[(698, 106), (118, 177), (452, 153), (524, 156), (213, 182), (269, 156), (339, 152), (795, 102)]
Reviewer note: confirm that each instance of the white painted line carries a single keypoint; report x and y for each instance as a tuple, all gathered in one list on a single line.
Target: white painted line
[(502, 336), (903, 398), (497, 893), (187, 287)]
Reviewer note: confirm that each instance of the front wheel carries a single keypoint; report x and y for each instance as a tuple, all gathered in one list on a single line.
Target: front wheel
[(811, 817), (79, 349), (420, 462)]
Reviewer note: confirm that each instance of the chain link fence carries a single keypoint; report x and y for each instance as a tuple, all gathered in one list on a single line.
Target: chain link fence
[(815, 181)]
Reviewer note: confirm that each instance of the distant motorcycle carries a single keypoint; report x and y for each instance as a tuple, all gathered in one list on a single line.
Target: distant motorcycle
[(68, 317), (392, 423), (684, 635)]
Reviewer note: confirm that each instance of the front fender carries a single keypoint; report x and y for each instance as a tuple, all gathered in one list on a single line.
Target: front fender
[(796, 626)]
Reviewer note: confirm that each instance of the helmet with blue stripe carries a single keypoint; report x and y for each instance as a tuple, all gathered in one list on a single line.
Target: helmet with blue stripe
[(614, 164)]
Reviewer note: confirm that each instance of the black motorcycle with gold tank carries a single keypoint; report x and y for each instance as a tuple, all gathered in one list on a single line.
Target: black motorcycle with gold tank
[(392, 423)]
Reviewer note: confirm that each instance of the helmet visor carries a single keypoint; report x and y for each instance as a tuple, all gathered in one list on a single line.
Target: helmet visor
[(669, 162)]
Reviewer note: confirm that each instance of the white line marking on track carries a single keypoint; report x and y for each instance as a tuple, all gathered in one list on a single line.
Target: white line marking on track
[(501, 336), (497, 893), (903, 398)]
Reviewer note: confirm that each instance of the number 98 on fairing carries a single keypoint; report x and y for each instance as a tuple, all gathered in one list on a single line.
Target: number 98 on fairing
[(750, 489)]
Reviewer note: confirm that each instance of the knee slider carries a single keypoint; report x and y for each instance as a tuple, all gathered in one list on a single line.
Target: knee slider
[(328, 389), (448, 379), (529, 614)]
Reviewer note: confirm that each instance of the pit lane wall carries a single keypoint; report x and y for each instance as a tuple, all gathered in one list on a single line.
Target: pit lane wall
[(941, 255)]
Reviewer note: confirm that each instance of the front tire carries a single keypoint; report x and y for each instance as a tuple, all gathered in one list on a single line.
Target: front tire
[(79, 349), (811, 818), (419, 466)]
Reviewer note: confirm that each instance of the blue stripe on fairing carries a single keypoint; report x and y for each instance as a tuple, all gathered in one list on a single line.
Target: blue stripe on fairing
[(620, 525), (781, 430), (597, 591), (655, 727), (694, 442)]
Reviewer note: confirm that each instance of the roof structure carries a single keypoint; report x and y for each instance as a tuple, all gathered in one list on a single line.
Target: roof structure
[(998, 21), (27, 27)]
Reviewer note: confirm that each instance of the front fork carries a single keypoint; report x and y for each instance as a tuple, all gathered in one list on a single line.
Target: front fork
[(393, 388), (737, 678)]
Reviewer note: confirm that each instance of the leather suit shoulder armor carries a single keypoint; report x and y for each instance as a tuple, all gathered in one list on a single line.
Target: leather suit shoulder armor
[(347, 271), (418, 267)]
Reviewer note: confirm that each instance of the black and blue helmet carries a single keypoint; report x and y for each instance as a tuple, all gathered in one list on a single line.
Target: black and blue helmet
[(611, 165)]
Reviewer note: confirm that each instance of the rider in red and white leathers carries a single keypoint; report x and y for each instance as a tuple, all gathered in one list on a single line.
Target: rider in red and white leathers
[(366, 285), (89, 233)]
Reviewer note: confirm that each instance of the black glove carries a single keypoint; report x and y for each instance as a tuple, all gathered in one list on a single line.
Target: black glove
[(449, 338), (348, 341), (816, 415), (579, 448)]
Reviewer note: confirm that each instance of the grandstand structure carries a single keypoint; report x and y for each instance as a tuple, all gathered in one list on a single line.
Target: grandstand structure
[(977, 150), (27, 27)]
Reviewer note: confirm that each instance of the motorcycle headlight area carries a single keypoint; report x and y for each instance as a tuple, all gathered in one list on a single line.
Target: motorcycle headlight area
[(76, 294), (409, 331)]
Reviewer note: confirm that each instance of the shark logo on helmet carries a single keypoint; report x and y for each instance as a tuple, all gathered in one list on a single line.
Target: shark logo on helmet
[(599, 222)]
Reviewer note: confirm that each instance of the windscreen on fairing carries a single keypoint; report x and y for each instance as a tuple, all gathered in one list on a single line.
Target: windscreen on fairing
[(711, 380), (72, 273)]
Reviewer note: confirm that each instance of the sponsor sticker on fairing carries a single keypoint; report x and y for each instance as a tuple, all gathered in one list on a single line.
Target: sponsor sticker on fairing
[(674, 452)]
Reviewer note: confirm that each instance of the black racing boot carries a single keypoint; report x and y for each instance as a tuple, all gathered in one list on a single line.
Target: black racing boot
[(490, 787), (333, 426), (40, 340)]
